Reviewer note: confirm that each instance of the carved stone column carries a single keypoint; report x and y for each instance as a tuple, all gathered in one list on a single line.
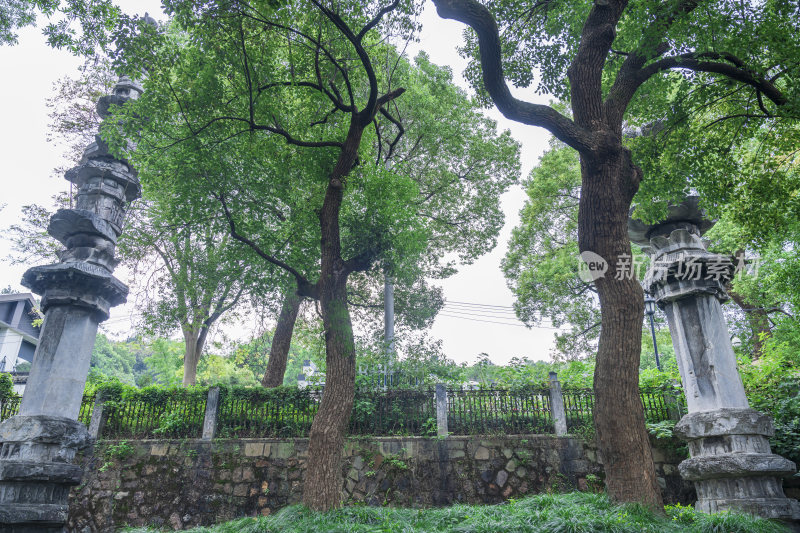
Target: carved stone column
[(37, 446), (731, 463)]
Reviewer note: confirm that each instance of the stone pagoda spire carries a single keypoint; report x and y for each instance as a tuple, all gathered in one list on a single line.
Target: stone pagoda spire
[(731, 463), (39, 444)]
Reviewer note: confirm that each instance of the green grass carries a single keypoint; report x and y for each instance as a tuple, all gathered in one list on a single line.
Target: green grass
[(548, 513)]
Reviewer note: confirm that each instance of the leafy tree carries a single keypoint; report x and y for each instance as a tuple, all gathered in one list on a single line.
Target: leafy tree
[(96, 20), (281, 130), (277, 84), (616, 60), (187, 275), (114, 360)]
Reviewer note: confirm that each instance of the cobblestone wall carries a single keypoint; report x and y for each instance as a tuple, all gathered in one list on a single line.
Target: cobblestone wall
[(179, 484)]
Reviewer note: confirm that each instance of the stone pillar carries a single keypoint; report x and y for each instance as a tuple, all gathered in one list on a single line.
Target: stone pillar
[(39, 444), (557, 410), (99, 418), (731, 463), (441, 409), (212, 410)]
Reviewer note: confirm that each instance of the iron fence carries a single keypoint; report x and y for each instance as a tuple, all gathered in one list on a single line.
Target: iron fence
[(282, 413), (178, 416), (393, 412), (286, 412), (10, 407), (498, 411), (578, 407)]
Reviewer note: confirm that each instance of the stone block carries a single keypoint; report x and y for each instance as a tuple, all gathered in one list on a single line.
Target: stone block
[(724, 421), (736, 465), (283, 450), (501, 478), (481, 454), (159, 449), (254, 449)]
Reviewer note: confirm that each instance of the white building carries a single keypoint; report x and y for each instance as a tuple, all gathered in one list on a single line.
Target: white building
[(19, 336), (310, 376)]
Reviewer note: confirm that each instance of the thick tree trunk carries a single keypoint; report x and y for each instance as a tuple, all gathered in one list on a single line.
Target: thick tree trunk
[(607, 190), (195, 341), (282, 340), (322, 489)]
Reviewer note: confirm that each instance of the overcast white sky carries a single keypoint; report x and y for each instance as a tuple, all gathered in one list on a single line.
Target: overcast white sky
[(26, 162)]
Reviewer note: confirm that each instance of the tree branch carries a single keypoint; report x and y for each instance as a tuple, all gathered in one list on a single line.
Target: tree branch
[(304, 287), (694, 62), (377, 18), (478, 17)]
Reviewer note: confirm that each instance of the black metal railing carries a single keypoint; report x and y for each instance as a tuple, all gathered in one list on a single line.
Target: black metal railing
[(180, 416), (288, 412), (498, 411), (279, 413), (10, 407), (578, 406), (393, 412)]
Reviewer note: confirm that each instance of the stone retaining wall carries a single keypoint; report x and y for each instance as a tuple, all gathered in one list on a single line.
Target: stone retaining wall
[(179, 484)]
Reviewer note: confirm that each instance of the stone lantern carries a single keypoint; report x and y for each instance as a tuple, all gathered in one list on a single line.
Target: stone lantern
[(37, 447), (731, 463)]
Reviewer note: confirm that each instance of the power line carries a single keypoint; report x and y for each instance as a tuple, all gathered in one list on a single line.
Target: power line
[(495, 322), (489, 310), (483, 315), (478, 304), (477, 308)]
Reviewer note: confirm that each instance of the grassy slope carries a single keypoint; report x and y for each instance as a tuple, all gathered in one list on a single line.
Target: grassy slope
[(549, 513)]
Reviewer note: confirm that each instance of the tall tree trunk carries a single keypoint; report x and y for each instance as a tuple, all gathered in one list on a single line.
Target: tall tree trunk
[(609, 184), (282, 340), (195, 340), (322, 490)]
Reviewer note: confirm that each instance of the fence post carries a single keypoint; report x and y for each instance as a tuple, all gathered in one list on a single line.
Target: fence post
[(212, 408), (99, 417), (557, 405), (441, 409)]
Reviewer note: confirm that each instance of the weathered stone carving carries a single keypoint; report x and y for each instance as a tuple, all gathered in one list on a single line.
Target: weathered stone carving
[(731, 463), (37, 446)]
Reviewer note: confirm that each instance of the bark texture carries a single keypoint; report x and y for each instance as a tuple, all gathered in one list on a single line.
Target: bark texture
[(608, 187), (323, 483), (282, 340), (195, 340)]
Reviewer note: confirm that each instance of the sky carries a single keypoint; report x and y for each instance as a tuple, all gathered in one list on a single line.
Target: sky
[(477, 317)]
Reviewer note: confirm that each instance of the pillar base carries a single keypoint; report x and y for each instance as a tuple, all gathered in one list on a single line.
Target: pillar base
[(732, 466), (37, 471)]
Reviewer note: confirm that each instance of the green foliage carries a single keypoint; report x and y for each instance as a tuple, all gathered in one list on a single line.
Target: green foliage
[(772, 384), (116, 359), (116, 452), (6, 386), (661, 430), (96, 19), (120, 451), (574, 512)]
